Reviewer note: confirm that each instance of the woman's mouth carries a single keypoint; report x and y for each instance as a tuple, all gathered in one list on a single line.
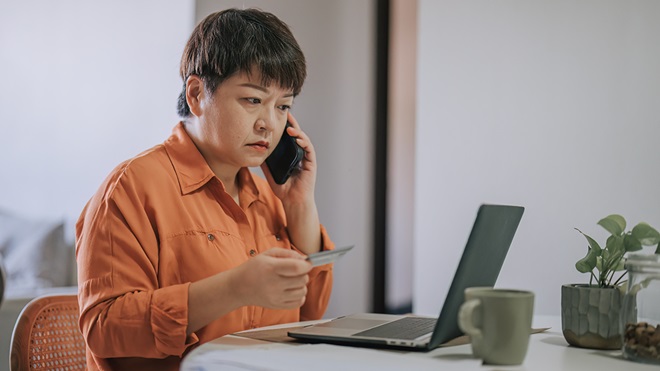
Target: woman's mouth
[(261, 145)]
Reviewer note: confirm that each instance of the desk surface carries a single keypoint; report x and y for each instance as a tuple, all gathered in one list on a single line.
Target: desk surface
[(547, 351)]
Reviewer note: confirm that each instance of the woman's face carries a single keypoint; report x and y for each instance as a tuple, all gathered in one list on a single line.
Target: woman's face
[(241, 123)]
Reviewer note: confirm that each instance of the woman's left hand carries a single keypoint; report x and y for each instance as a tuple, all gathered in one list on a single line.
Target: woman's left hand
[(297, 195), (299, 188)]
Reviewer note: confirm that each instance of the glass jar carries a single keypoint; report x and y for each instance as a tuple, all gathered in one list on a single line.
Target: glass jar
[(640, 314)]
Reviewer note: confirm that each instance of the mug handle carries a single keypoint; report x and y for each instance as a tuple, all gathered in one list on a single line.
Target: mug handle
[(465, 319)]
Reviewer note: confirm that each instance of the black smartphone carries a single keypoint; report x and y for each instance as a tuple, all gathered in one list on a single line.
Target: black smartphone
[(285, 158)]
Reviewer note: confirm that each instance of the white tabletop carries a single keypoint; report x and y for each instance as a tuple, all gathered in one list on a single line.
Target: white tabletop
[(547, 351)]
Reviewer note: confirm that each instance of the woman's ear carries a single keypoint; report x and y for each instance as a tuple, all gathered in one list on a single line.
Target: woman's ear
[(195, 94)]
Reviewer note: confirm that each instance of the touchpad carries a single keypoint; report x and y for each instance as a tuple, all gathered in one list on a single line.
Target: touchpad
[(352, 323)]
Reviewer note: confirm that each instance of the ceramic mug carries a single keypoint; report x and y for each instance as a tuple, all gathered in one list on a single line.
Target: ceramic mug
[(499, 323), (469, 295)]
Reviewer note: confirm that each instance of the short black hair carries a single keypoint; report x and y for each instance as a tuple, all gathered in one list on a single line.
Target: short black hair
[(238, 40)]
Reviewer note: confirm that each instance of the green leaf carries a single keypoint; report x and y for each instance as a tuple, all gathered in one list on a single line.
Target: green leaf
[(615, 224), (592, 243), (615, 245), (588, 263), (608, 261), (613, 253), (599, 262), (646, 234), (630, 243), (620, 265), (657, 249)]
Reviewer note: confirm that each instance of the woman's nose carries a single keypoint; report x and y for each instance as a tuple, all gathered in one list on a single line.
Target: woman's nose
[(267, 122), (261, 125)]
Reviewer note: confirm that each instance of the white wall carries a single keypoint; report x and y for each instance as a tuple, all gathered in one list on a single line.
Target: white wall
[(552, 105), (87, 85)]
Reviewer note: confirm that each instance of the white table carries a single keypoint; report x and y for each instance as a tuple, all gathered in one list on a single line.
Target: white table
[(547, 351)]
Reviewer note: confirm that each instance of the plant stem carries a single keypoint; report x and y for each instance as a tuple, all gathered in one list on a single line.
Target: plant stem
[(609, 279), (602, 277), (608, 270), (620, 277)]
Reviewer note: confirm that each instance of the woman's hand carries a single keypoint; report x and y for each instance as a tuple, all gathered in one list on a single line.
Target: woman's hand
[(297, 196), (276, 278), (299, 188)]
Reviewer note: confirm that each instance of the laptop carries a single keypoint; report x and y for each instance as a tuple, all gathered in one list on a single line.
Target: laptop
[(480, 264)]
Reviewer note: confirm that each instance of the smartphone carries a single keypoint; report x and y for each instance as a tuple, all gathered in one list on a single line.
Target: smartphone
[(285, 158)]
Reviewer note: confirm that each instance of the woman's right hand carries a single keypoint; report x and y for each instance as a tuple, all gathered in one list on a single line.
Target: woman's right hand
[(276, 279)]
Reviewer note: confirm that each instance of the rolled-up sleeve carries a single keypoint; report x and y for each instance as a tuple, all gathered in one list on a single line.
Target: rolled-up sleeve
[(319, 287), (169, 319)]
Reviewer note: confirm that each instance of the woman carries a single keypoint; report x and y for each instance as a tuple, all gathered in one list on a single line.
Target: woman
[(183, 244)]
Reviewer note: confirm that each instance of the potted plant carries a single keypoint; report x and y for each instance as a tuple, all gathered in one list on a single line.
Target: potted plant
[(590, 312)]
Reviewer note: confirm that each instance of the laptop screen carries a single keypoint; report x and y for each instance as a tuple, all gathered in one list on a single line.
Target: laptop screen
[(480, 264)]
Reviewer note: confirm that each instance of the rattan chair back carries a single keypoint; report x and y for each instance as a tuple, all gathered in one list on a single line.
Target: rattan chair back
[(47, 337)]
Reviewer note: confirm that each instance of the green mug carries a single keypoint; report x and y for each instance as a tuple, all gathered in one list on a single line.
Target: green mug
[(499, 323)]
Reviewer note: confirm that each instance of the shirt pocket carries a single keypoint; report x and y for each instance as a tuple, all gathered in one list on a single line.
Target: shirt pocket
[(277, 239), (193, 255)]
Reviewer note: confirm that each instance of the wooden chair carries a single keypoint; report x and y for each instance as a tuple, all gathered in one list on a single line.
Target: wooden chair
[(47, 337)]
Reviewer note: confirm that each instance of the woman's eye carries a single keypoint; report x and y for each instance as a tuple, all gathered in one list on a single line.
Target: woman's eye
[(253, 100), (285, 107)]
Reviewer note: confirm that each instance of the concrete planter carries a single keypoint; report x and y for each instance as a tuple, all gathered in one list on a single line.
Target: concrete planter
[(590, 316)]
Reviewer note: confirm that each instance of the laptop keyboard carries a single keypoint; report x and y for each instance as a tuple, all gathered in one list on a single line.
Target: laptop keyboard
[(407, 328)]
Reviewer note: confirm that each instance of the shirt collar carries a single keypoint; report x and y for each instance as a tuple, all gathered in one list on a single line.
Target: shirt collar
[(248, 188), (192, 170)]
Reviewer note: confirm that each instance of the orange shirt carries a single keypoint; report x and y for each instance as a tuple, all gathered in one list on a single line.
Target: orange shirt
[(159, 222)]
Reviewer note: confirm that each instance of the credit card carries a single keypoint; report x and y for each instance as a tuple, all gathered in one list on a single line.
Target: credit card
[(327, 257)]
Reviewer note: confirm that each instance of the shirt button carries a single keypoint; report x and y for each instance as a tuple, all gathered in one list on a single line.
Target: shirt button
[(210, 237), (253, 253), (277, 237)]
